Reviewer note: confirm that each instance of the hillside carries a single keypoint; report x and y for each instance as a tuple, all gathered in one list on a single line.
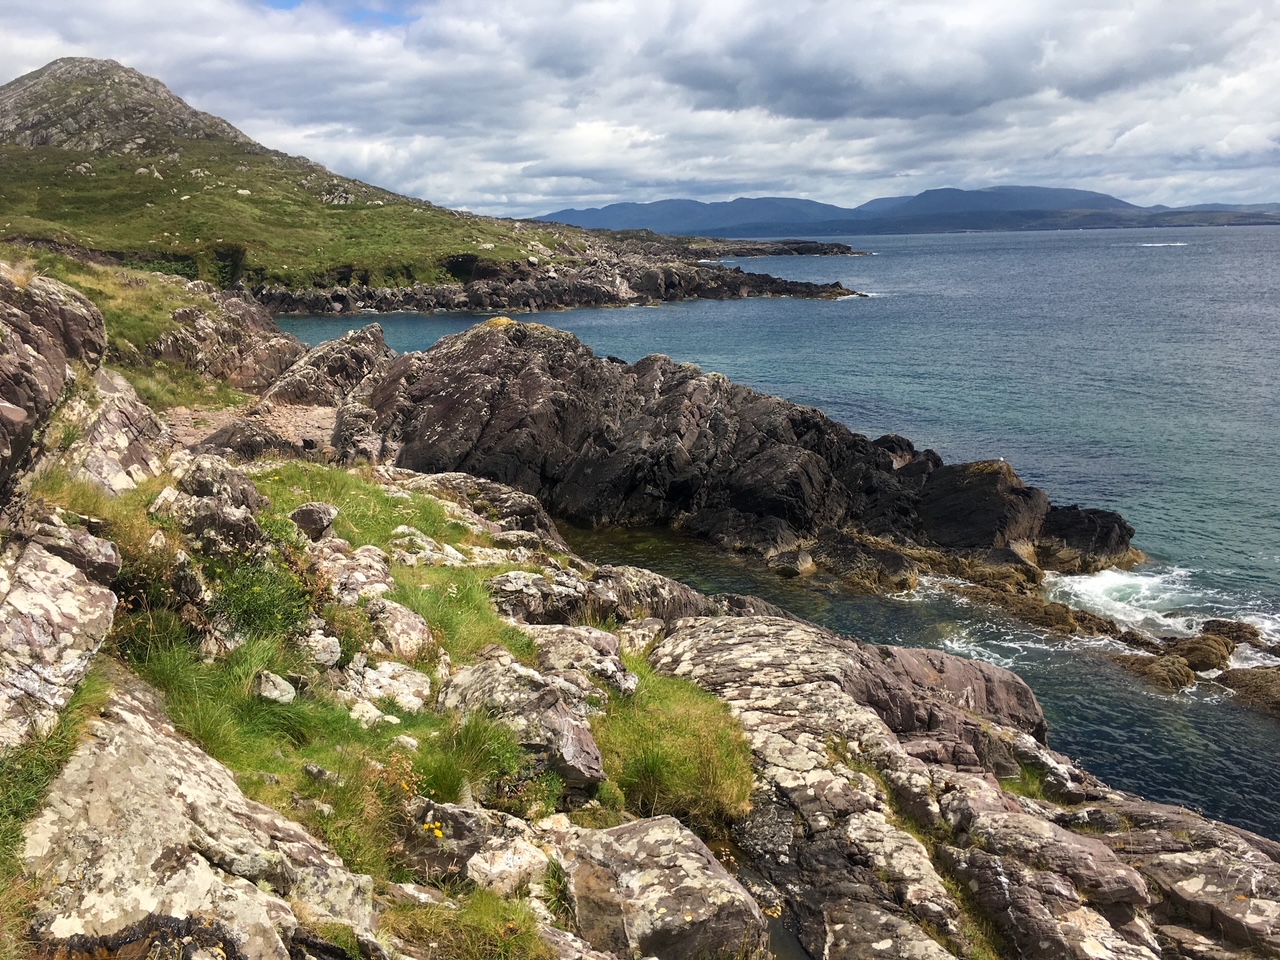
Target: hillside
[(100, 161), (97, 156), (933, 211)]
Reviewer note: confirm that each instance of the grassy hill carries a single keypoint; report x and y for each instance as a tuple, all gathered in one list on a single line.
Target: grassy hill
[(96, 156)]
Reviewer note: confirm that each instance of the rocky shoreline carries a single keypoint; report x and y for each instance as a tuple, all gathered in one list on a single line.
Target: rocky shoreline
[(905, 803), (611, 271)]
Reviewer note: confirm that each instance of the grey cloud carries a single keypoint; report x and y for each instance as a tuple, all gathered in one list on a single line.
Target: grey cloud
[(522, 107)]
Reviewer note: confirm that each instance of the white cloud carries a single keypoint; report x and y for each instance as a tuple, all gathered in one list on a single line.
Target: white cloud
[(518, 108)]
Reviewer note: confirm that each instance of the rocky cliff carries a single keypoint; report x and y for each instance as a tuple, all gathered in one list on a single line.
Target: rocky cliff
[(902, 803)]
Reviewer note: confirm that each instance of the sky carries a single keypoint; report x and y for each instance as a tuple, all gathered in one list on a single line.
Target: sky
[(522, 107)]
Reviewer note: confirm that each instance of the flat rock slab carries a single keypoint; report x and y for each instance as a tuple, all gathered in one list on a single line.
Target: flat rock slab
[(146, 838), (652, 888), (53, 619)]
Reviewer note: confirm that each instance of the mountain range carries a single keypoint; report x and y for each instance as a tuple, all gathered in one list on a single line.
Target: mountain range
[(933, 211)]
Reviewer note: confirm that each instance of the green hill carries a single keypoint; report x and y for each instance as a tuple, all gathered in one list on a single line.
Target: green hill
[(96, 156)]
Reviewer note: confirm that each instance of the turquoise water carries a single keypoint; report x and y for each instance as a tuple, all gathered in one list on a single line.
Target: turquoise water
[(1134, 370)]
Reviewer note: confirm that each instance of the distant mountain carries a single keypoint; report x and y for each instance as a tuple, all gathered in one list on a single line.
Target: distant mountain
[(693, 216), (933, 211)]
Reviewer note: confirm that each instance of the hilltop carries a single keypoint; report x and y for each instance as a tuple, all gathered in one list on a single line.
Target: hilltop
[(104, 162)]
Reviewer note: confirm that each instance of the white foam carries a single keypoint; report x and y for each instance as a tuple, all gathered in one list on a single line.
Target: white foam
[(1162, 244), (1140, 600), (1165, 601)]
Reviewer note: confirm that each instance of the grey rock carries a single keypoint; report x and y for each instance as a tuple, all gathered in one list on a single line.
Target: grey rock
[(653, 888), (327, 373), (53, 619), (351, 575), (314, 519), (269, 686), (192, 847), (122, 439), (549, 712)]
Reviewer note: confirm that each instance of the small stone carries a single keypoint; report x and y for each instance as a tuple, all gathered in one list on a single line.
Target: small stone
[(314, 519), (269, 686)]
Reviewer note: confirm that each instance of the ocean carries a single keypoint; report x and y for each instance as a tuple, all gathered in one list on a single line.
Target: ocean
[(1130, 369)]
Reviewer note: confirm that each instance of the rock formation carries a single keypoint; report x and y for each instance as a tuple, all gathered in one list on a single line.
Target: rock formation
[(664, 443)]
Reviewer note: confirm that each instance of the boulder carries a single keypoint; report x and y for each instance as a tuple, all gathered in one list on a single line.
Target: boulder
[(327, 373), (549, 712), (652, 888), (351, 575), (1205, 652), (314, 519), (398, 631), (196, 853), (1257, 686), (215, 526), (1080, 540), (55, 612), (1236, 631), (1166, 672), (269, 686), (980, 505), (206, 475)]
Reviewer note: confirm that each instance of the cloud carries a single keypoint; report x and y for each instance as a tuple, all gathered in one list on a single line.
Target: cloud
[(517, 108)]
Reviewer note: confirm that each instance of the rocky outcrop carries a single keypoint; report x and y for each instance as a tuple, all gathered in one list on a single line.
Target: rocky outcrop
[(326, 374), (652, 888), (44, 327), (56, 609), (186, 855), (121, 439), (234, 340), (880, 826), (663, 443), (89, 105), (604, 271)]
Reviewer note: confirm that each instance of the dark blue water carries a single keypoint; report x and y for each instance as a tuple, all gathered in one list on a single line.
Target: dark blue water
[(1134, 370)]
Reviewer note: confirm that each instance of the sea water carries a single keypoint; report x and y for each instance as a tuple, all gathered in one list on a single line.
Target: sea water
[(1129, 369)]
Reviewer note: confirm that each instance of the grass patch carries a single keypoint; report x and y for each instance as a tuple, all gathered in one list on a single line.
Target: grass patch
[(456, 603), (26, 773), (1029, 783), (675, 749), (367, 513), (484, 927)]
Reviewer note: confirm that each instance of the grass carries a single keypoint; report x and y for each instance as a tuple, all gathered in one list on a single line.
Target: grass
[(196, 221), (673, 748), (455, 602), (1029, 783), (484, 927), (367, 513), (26, 773)]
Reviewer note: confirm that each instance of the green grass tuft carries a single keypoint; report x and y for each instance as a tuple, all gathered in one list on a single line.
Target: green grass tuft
[(672, 748), (484, 927)]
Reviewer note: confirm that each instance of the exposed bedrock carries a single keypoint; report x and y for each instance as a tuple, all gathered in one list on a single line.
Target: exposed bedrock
[(665, 443), (45, 326), (886, 823)]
